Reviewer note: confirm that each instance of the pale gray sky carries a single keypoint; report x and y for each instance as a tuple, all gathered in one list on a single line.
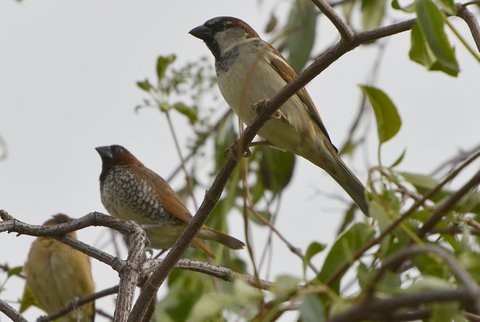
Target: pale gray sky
[(67, 77)]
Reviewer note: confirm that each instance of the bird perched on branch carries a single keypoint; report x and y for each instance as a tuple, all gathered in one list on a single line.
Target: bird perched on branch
[(250, 71), (131, 191), (57, 274)]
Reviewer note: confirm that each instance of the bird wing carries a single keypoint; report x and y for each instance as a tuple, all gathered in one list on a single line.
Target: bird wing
[(288, 74), (167, 197)]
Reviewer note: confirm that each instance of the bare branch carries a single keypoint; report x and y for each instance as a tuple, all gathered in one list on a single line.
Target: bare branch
[(10, 224), (130, 274), (457, 269), (342, 269), (220, 272), (11, 312), (472, 22), (271, 105), (343, 28), (75, 304), (442, 209), (384, 308), (129, 270)]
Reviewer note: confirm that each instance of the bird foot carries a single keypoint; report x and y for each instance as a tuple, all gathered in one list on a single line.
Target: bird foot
[(260, 143), (235, 147), (261, 105)]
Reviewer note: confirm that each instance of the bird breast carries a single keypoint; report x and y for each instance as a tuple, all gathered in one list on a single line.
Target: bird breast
[(250, 79), (131, 198)]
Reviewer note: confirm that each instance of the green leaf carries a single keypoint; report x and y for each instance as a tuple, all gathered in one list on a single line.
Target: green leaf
[(27, 300), (470, 203), (386, 115), (300, 31), (15, 271), (420, 181), (408, 8), (312, 250), (311, 309), (162, 64), (373, 12), (223, 139), (420, 52), (284, 284), (389, 282), (266, 215), (399, 159), (444, 312), (190, 112), (343, 249), (380, 214), (449, 6), (275, 169), (145, 85), (431, 22), (211, 305)]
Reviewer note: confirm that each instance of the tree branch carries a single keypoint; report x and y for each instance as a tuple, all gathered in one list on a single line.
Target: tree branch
[(472, 23), (75, 304), (441, 210), (271, 105), (388, 230), (129, 270), (10, 312), (384, 308), (469, 284), (220, 272), (343, 28)]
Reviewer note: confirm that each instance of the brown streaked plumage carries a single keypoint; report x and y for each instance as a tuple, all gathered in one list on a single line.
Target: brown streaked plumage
[(131, 191), (250, 70), (57, 274)]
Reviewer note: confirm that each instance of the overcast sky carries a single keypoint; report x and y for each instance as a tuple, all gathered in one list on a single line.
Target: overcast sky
[(67, 84)]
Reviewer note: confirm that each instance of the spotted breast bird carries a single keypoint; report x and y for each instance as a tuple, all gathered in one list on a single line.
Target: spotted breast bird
[(57, 274), (250, 70), (131, 191)]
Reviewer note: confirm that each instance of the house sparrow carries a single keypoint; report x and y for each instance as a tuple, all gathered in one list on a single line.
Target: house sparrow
[(250, 70), (57, 274), (131, 191)]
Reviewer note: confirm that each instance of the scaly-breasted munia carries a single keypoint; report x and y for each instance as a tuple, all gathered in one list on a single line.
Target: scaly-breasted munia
[(57, 274), (131, 191), (250, 70)]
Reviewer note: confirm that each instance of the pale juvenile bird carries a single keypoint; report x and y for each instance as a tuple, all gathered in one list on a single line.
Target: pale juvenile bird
[(57, 274), (131, 191), (250, 70)]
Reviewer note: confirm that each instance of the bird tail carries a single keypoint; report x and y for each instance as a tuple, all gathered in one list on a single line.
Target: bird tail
[(224, 239), (204, 247), (346, 179)]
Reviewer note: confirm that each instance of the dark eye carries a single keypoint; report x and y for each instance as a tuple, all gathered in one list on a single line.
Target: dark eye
[(219, 24)]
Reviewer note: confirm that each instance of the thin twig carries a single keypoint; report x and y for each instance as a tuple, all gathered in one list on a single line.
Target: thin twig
[(213, 194), (342, 269), (75, 304), (11, 312), (290, 246), (381, 309), (200, 143), (472, 22), (182, 159), (343, 28), (457, 269), (456, 159), (441, 210), (220, 272)]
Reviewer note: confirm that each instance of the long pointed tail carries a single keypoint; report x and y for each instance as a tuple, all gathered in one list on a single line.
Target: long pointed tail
[(339, 171), (229, 241)]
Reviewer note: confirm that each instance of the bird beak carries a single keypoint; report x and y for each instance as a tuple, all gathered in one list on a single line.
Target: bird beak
[(201, 32), (105, 152)]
